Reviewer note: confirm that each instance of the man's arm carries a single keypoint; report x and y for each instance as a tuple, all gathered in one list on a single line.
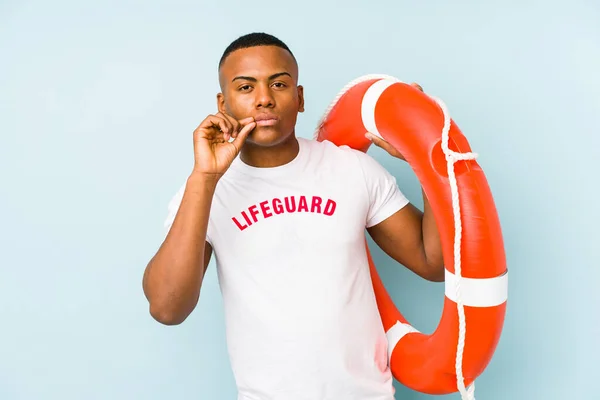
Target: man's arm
[(411, 237), (173, 277)]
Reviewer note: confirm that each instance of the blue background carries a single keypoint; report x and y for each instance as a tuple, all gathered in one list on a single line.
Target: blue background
[(97, 105)]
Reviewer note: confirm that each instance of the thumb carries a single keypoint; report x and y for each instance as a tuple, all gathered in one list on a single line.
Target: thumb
[(238, 142), (377, 141)]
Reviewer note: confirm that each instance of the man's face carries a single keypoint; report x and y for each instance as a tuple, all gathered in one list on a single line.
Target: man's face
[(262, 82)]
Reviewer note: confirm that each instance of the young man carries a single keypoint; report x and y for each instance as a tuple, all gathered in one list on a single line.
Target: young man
[(285, 217)]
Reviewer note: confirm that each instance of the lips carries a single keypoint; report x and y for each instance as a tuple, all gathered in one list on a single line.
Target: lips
[(266, 119)]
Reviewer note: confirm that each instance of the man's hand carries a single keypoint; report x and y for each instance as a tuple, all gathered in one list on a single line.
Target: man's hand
[(379, 142), (213, 150)]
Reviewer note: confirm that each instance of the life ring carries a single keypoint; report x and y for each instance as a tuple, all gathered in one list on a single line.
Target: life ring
[(476, 279)]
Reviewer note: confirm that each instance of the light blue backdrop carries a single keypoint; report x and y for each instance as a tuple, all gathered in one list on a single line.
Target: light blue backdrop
[(98, 102)]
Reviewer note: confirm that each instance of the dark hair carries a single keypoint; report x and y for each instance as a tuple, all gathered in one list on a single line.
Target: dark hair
[(252, 40)]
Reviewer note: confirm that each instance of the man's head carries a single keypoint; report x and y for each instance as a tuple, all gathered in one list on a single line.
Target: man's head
[(258, 75)]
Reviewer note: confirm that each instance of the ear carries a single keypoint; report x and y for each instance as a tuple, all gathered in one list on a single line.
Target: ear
[(221, 102), (300, 98)]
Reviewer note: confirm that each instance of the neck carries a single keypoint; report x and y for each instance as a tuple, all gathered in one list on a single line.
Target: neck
[(270, 156)]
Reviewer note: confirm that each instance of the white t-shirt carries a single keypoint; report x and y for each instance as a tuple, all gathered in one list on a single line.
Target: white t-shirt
[(289, 243)]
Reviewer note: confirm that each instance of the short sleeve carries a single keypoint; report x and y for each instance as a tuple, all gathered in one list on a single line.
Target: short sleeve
[(385, 197), (172, 209)]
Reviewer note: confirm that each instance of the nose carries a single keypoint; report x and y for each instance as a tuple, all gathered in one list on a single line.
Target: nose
[(264, 97)]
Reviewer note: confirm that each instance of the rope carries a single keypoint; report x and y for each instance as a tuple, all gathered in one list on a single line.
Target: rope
[(451, 158)]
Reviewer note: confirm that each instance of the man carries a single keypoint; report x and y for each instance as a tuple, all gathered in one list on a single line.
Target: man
[(285, 217)]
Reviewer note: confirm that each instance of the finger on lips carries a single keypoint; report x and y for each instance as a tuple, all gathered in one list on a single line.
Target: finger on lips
[(225, 126)]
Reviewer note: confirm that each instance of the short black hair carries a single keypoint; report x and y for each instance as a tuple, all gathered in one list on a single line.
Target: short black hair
[(252, 40)]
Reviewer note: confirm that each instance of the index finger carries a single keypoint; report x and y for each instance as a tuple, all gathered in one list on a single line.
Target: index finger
[(243, 123), (417, 86), (246, 121), (238, 124)]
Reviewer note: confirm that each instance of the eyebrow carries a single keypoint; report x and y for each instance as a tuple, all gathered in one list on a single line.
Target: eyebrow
[(252, 79)]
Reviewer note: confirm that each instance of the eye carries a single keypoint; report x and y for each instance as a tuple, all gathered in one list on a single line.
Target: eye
[(244, 88), (279, 85)]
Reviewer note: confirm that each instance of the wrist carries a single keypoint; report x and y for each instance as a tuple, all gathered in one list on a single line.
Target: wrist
[(201, 182)]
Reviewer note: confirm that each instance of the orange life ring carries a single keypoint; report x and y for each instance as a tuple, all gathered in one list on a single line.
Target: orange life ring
[(476, 285)]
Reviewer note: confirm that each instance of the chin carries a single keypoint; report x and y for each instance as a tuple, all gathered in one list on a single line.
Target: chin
[(267, 136)]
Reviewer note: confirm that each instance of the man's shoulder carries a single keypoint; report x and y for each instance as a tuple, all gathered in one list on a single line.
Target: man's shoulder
[(330, 149)]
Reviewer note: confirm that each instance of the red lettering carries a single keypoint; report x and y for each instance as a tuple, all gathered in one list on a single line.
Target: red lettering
[(303, 206), (265, 209), (329, 207), (253, 212), (277, 206), (242, 227), (290, 208), (246, 218), (316, 204), (289, 204)]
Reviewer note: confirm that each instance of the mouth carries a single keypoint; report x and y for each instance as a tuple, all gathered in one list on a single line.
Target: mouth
[(266, 120)]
